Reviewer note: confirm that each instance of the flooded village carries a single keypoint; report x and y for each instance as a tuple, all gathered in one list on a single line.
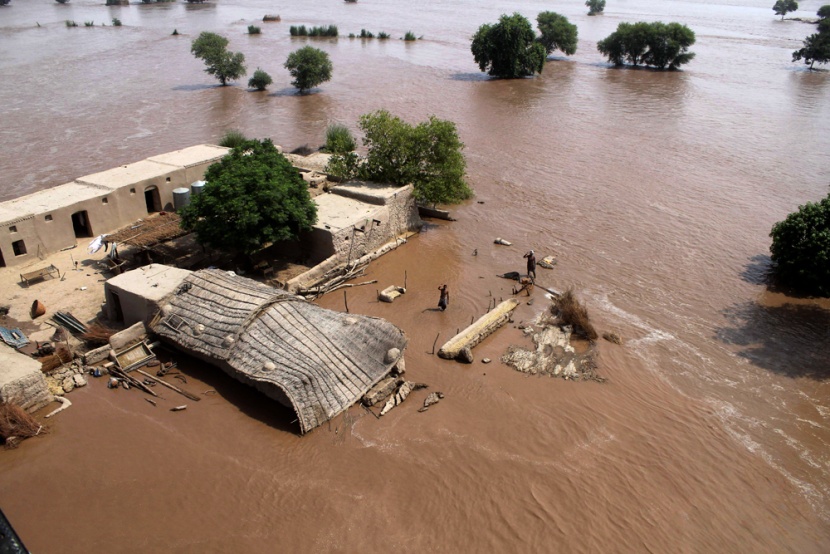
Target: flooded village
[(151, 288)]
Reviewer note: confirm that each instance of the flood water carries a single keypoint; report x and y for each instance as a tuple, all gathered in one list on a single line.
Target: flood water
[(656, 191)]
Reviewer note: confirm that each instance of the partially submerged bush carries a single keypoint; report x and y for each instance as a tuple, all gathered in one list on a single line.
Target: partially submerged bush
[(339, 139), (116, 22), (71, 23), (16, 425), (572, 312), (232, 139), (303, 31), (260, 80), (254, 30), (410, 36)]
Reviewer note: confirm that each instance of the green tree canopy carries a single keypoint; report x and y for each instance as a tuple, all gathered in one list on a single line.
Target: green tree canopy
[(824, 11), (557, 33), (801, 248), (224, 65), (595, 6), (260, 80), (253, 196), (656, 44), (427, 155), (783, 7), (816, 49), (309, 66), (508, 48)]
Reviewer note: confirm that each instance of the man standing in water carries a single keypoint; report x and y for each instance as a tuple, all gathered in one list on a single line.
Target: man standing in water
[(531, 264), (445, 298)]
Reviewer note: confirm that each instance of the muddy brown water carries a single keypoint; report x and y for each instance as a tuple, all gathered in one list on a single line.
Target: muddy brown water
[(657, 192)]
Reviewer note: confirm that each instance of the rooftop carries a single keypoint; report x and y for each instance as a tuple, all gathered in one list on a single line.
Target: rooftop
[(128, 174), (191, 156), (335, 212), (152, 282), (45, 201)]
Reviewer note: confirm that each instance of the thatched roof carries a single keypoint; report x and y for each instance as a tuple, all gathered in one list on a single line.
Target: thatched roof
[(322, 361)]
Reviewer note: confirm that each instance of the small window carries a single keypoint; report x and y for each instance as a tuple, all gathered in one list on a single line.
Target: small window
[(49, 217), (168, 179), (13, 229), (19, 248), (132, 191), (104, 200)]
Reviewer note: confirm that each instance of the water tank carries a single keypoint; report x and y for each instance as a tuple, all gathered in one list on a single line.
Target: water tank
[(181, 198), (197, 187)]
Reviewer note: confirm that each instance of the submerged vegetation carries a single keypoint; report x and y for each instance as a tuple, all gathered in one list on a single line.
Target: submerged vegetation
[(224, 65), (254, 30), (509, 48), (16, 425), (309, 66), (260, 80), (656, 44), (801, 248), (302, 31)]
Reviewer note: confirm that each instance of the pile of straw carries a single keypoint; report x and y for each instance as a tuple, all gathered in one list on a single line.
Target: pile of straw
[(572, 312), (97, 335), (61, 356), (16, 425)]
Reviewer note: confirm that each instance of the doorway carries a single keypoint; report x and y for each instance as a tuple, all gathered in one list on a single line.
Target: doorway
[(2, 261), (116, 307), (152, 199), (81, 225)]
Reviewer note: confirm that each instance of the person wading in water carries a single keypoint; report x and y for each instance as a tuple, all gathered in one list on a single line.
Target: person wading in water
[(444, 301), (531, 264)]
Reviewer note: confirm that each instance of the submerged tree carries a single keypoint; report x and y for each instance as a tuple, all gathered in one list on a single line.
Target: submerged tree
[(508, 48), (309, 66), (557, 33), (595, 6), (783, 7), (656, 44), (253, 196), (801, 248), (260, 80), (816, 49), (427, 155), (224, 65)]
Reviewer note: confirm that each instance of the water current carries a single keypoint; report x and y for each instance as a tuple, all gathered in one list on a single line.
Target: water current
[(657, 192)]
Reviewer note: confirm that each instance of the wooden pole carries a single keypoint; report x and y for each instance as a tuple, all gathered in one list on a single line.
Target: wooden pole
[(404, 278), (169, 386), (346, 301), (435, 342)]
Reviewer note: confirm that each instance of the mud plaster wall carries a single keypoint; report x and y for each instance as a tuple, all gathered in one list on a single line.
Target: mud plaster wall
[(383, 224)]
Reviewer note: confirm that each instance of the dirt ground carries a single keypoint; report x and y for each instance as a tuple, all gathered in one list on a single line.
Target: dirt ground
[(78, 291)]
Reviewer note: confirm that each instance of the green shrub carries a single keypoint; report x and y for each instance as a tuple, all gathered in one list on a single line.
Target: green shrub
[(382, 35), (595, 6), (260, 80), (175, 32), (232, 139), (309, 66), (801, 248), (339, 139), (351, 35), (71, 23), (116, 22), (89, 23), (366, 34), (254, 30), (410, 36), (302, 31)]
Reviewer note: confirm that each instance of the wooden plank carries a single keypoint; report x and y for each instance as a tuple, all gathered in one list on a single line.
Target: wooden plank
[(479, 330), (189, 395)]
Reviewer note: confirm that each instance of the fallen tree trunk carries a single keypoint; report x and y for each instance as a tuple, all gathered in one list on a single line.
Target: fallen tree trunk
[(478, 331)]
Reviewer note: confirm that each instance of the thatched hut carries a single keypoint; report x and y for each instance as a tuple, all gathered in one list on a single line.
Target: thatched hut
[(317, 361)]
